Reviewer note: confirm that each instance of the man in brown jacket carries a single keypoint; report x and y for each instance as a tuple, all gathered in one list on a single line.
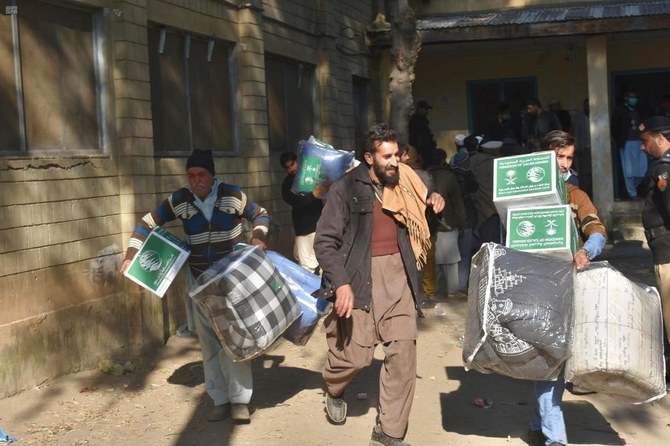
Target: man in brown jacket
[(547, 426)]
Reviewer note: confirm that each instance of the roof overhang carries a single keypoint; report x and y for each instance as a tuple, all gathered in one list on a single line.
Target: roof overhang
[(538, 22)]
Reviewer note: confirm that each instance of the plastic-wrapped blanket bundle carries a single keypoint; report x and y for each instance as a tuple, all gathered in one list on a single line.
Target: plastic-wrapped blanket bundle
[(302, 283), (618, 336), (247, 301), (519, 313), (319, 163)]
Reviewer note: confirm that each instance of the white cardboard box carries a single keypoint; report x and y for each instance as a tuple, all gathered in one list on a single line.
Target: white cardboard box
[(548, 230), (533, 179)]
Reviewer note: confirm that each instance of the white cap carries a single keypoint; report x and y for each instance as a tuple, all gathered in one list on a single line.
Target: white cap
[(459, 139), (492, 145)]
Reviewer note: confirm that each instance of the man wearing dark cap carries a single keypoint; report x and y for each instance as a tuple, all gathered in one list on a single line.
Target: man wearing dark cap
[(420, 135), (211, 213), (654, 134)]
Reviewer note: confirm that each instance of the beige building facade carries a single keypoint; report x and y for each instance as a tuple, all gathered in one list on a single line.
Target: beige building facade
[(102, 103), (103, 100)]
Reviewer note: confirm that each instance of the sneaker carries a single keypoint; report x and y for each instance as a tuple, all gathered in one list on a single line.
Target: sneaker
[(240, 413), (219, 413), (379, 438), (536, 438), (336, 408)]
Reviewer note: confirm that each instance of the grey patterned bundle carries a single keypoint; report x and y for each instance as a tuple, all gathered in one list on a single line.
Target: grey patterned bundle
[(519, 318), (618, 336), (247, 302)]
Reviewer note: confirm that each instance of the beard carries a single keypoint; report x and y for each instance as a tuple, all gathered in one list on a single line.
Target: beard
[(389, 175)]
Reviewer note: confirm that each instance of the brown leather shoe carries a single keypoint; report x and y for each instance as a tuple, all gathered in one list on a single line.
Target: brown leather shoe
[(219, 413), (240, 413)]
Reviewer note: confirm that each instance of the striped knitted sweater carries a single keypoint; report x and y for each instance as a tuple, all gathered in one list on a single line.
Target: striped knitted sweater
[(210, 240)]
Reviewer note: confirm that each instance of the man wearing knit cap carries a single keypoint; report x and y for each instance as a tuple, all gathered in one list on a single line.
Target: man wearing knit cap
[(654, 135), (211, 213)]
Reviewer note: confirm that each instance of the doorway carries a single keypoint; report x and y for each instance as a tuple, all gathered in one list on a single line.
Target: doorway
[(651, 86), (485, 98)]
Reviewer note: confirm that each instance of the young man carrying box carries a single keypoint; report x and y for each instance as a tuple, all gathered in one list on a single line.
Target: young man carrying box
[(547, 426)]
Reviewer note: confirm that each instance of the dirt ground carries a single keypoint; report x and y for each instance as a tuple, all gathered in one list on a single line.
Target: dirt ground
[(164, 402)]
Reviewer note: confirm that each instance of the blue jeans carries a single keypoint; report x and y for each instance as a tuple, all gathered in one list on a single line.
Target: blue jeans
[(547, 413)]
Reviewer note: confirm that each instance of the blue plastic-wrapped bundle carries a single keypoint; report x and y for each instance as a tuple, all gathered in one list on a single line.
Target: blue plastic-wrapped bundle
[(319, 163), (302, 283)]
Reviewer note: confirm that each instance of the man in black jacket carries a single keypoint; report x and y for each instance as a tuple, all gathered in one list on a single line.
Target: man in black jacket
[(305, 212), (655, 136), (371, 241)]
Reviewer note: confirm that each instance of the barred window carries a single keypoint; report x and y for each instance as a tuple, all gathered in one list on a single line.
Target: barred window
[(49, 78), (290, 95), (191, 92)]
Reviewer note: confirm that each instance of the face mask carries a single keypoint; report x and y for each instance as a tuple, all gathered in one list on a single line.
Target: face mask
[(504, 116), (566, 175), (632, 102)]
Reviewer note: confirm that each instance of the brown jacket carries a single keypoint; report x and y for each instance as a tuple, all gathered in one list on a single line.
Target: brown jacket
[(584, 213)]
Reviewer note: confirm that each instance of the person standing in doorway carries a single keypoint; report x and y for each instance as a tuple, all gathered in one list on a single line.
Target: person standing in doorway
[(624, 127), (420, 135), (537, 122)]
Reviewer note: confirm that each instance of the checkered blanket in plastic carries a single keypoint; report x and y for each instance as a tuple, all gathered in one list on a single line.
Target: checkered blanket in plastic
[(247, 302)]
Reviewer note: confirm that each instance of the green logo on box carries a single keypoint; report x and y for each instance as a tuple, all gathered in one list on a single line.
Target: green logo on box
[(542, 228), (310, 170), (523, 175)]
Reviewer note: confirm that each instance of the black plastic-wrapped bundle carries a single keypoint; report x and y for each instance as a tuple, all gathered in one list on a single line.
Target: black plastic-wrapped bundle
[(520, 310)]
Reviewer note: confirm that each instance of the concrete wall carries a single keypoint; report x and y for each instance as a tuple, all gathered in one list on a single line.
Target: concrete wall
[(65, 219)]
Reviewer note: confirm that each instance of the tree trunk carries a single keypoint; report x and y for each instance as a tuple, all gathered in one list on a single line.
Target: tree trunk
[(405, 47)]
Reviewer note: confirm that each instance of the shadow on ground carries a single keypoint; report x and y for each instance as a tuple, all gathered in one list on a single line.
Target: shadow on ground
[(512, 400)]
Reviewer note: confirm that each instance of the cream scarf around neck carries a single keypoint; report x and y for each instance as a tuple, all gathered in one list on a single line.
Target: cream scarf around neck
[(407, 203)]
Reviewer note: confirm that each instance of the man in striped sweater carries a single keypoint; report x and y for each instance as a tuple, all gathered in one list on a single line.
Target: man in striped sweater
[(211, 213)]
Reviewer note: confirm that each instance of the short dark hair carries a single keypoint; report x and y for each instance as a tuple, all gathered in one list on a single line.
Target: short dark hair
[(534, 101), (556, 139), (402, 149), (287, 157), (377, 134), (471, 142)]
